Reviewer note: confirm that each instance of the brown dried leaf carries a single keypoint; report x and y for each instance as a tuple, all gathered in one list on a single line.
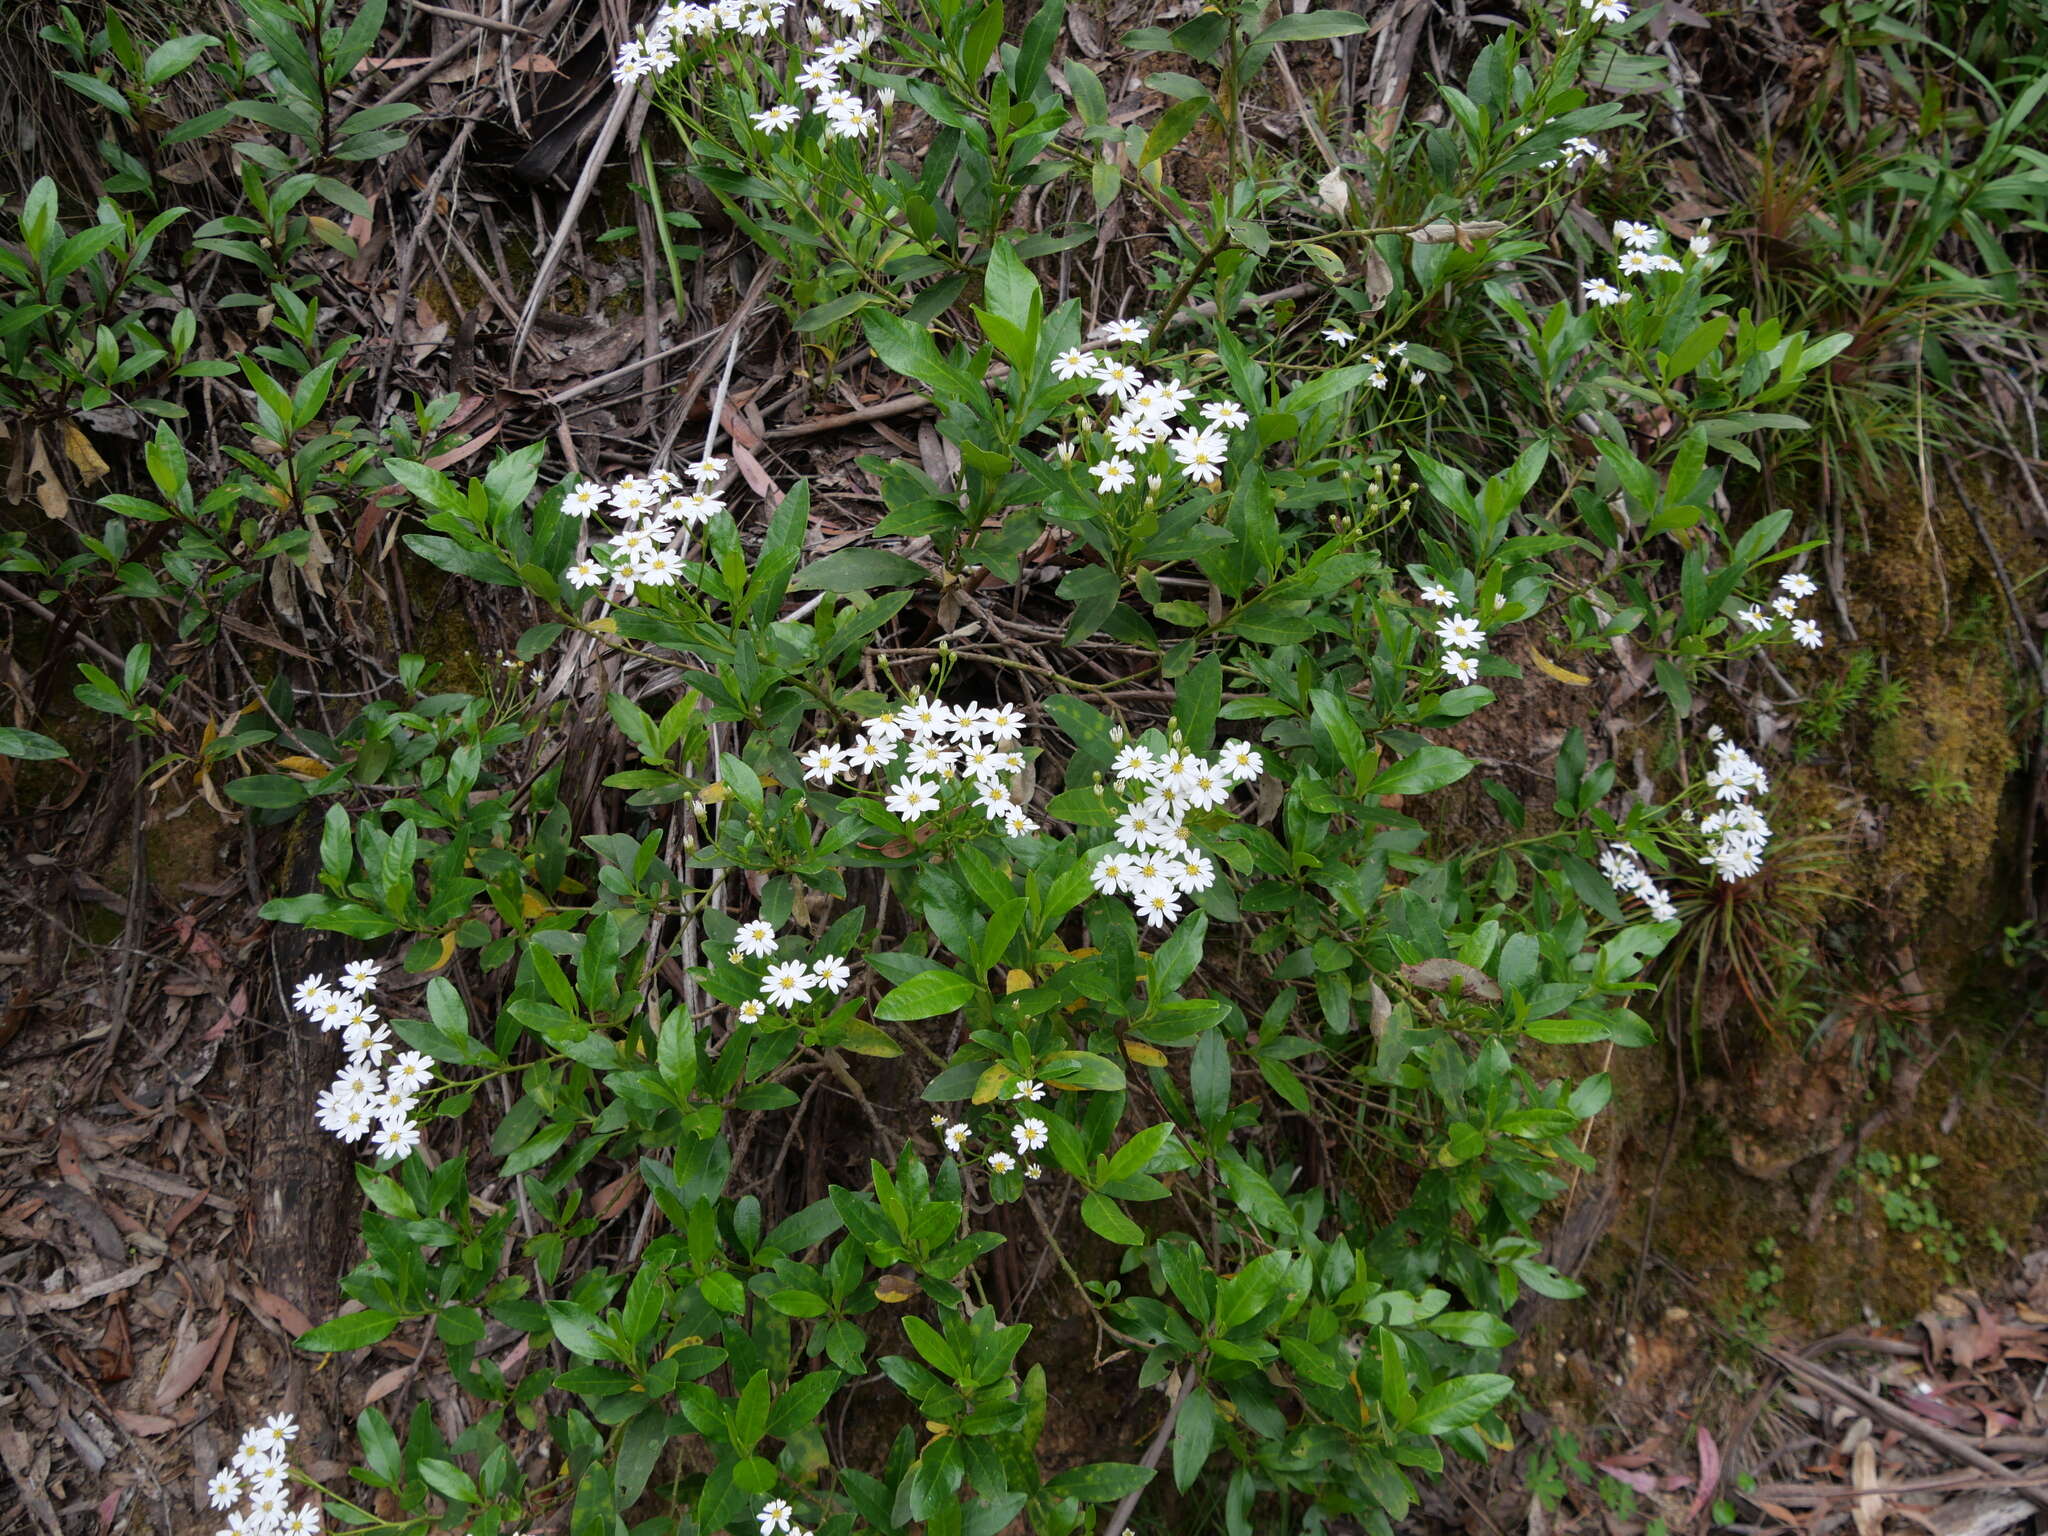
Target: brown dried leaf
[(50, 493), (1437, 976), (387, 1384), (188, 1363), (279, 1310), (144, 1423), (84, 457)]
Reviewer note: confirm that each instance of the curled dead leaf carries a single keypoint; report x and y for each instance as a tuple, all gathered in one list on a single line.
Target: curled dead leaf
[(84, 457), (1450, 232), (1438, 975)]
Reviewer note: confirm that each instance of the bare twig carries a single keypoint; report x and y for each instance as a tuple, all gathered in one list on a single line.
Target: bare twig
[(1121, 1515), (565, 226)]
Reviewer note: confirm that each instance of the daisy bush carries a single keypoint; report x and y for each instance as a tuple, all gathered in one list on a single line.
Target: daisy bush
[(705, 1116)]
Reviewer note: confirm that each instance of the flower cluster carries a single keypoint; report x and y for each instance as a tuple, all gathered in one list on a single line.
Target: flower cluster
[(1574, 154), (1736, 832), (1625, 872), (1029, 1133), (1154, 862), (1381, 376), (1145, 414), (1641, 253), (259, 1471), (651, 510), (785, 983), (678, 26), (1792, 586), (929, 752), (366, 1098), (1461, 636)]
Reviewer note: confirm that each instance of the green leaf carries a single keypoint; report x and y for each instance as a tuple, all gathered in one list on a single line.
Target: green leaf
[(98, 90), (352, 1330), (1333, 713), (858, 570), (1100, 1482), (832, 310), (1090, 100), (1174, 124), (925, 996), (750, 1413), (1453, 1404), (174, 57), (1193, 1436), (29, 745), (796, 1409), (267, 791), (780, 547), (1480, 1330), (1566, 1031), (1012, 292), (1107, 1219), (1315, 24), (1429, 767), (1077, 1069), (1692, 351), (444, 1477), (1196, 700)]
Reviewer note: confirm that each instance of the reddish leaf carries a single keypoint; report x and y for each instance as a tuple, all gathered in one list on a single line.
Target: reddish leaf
[(1710, 1474)]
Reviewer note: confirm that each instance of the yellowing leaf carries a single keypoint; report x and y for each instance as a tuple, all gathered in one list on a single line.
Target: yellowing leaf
[(864, 1039), (84, 457), (311, 767), (992, 1083), (713, 794), (1550, 668), (447, 950), (1016, 981), (1145, 1055), (531, 906), (894, 1289), (937, 1428), (606, 626)]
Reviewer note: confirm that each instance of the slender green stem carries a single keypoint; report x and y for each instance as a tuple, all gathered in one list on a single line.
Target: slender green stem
[(668, 245)]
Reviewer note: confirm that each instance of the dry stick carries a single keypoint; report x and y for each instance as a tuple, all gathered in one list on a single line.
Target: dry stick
[(1121, 1517), (409, 251), (729, 338), (488, 23), (1842, 1389), (1295, 99), (586, 182)]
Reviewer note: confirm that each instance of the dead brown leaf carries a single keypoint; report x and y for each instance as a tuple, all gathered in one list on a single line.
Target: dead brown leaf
[(34, 1304), (84, 457), (1437, 976), (190, 1357), (279, 1310)]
